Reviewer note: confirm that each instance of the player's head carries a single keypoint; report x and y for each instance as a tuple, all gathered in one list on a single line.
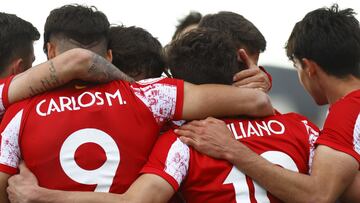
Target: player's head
[(244, 33), (16, 44), (136, 52), (73, 26), (204, 56), (329, 39), (187, 23)]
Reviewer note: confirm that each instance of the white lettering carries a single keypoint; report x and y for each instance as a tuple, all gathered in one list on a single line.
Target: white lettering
[(88, 104), (282, 130), (101, 100), (63, 103), (113, 96), (251, 130), (262, 127), (38, 108), (52, 107)]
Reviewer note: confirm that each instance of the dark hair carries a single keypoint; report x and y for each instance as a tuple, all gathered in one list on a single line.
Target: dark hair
[(85, 25), (241, 30), (331, 38), (136, 52), (16, 38), (203, 56), (192, 18)]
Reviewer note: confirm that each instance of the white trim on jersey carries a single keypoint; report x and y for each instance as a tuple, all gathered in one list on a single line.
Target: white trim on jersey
[(313, 136), (356, 135), (177, 161), (2, 107), (160, 99), (10, 151)]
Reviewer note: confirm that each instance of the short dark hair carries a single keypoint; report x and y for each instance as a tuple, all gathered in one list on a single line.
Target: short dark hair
[(242, 31), (136, 52), (192, 18), (331, 38), (16, 38), (83, 24), (203, 56)]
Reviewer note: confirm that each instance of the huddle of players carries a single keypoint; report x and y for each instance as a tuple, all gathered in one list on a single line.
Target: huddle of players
[(223, 45)]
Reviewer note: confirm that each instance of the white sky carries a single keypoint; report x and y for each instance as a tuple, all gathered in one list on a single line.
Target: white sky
[(275, 19)]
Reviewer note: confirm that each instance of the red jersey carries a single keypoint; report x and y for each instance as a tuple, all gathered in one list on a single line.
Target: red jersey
[(94, 138), (285, 140), (342, 126), (4, 100)]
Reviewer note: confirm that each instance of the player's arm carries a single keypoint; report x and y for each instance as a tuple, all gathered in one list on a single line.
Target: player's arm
[(332, 170), (201, 101), (352, 194), (3, 184), (74, 64), (23, 188)]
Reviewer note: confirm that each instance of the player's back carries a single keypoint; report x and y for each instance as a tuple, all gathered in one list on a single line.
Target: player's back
[(281, 139), (285, 140), (92, 138)]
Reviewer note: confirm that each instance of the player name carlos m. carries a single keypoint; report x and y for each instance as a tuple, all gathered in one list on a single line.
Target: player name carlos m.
[(85, 100)]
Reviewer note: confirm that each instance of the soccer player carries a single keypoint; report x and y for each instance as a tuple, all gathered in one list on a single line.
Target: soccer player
[(17, 54), (205, 56), (325, 49), (136, 52), (245, 35), (97, 138)]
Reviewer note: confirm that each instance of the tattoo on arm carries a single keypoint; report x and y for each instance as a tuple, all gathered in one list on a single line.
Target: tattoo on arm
[(49, 82), (102, 70)]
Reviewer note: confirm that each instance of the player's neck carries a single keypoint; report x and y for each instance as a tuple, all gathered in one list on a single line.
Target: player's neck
[(337, 88)]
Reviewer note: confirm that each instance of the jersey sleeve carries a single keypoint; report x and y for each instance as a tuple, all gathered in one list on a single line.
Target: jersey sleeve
[(342, 129), (4, 89), (9, 143), (268, 75), (169, 160), (163, 96)]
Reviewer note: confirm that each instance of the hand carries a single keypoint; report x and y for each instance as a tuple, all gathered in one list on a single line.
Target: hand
[(210, 136), (23, 186), (253, 77)]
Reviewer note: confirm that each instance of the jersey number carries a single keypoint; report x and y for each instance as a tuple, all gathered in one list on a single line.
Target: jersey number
[(102, 176), (238, 179)]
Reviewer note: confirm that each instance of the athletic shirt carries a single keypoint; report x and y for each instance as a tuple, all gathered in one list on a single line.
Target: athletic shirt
[(89, 138), (285, 140), (342, 126), (4, 89)]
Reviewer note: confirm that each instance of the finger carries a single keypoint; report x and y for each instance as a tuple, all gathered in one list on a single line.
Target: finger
[(184, 133), (249, 80), (245, 74), (246, 59), (188, 141), (255, 85), (196, 123)]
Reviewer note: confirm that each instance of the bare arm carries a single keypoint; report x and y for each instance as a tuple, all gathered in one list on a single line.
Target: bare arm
[(74, 64), (3, 184), (352, 194), (23, 188), (201, 101), (332, 171)]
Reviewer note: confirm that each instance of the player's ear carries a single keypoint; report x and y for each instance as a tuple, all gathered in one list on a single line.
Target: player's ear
[(309, 66), (17, 66), (109, 55), (51, 50)]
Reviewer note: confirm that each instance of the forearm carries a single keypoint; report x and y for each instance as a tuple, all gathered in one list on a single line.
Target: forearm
[(201, 101), (74, 64), (286, 185), (56, 196)]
